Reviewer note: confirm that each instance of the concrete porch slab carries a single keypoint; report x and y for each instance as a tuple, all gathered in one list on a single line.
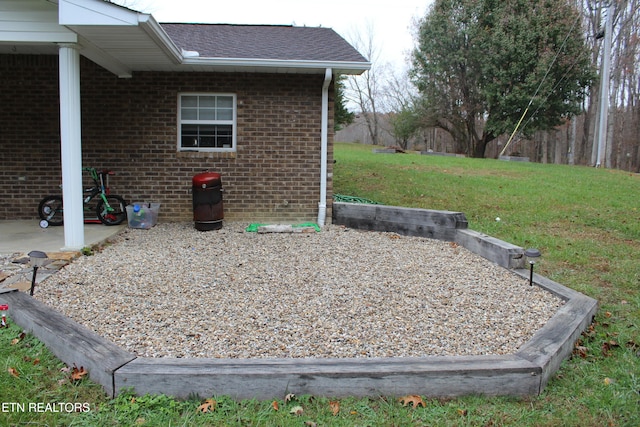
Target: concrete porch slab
[(23, 236)]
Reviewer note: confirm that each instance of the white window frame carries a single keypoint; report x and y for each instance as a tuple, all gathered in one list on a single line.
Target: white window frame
[(232, 122)]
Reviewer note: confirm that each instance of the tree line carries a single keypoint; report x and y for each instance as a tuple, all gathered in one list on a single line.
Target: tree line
[(510, 77)]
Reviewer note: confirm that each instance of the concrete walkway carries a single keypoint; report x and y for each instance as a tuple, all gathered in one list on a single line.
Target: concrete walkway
[(24, 236)]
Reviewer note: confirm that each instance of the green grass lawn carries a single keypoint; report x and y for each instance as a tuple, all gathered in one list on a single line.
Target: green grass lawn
[(585, 221)]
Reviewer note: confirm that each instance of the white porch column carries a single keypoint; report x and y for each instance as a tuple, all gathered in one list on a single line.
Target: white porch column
[(71, 146)]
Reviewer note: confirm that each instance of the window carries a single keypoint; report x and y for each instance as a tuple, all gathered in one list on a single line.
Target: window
[(207, 122)]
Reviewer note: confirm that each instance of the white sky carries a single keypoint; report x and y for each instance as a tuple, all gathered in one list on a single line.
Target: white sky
[(391, 20)]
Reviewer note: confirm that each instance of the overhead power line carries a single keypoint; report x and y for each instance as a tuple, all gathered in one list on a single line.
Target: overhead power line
[(564, 42)]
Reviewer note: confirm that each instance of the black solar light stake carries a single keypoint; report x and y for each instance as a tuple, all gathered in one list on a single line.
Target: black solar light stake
[(37, 259), (532, 254)]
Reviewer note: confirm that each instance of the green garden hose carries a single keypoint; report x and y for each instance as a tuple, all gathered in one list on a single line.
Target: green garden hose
[(353, 199)]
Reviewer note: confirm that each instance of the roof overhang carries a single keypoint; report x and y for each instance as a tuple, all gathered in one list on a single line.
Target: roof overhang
[(123, 41), (118, 39)]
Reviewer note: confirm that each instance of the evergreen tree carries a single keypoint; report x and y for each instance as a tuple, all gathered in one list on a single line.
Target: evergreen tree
[(479, 63), (342, 116)]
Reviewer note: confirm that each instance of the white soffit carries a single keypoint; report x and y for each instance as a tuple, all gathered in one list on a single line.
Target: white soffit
[(116, 38), (96, 12), (31, 22)]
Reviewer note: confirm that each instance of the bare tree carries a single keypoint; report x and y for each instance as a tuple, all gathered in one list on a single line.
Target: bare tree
[(399, 93), (366, 90), (401, 102)]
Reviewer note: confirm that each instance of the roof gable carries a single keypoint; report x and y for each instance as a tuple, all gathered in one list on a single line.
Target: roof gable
[(269, 42)]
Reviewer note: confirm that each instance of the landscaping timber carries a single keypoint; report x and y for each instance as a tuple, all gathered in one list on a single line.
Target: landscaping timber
[(437, 376), (438, 153), (555, 341), (514, 158), (441, 225), (498, 251), (70, 342)]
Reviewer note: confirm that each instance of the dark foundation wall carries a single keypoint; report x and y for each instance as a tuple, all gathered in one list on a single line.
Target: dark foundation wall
[(130, 126)]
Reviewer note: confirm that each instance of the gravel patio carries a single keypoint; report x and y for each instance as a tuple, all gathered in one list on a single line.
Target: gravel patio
[(173, 291)]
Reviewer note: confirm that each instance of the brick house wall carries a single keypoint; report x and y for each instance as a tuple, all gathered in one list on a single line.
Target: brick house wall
[(130, 126)]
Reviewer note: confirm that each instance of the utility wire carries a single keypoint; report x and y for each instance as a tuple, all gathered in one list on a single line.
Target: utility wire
[(539, 86), (549, 94)]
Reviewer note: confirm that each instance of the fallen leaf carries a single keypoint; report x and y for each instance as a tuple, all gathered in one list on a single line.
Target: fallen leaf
[(140, 421), (335, 407), (462, 412), (354, 412), (275, 405), (310, 424), (13, 372), (581, 351), (209, 405), (18, 339), (591, 332), (36, 362), (78, 373), (413, 400), (608, 381), (607, 314), (65, 369), (289, 397), (297, 410), (607, 346)]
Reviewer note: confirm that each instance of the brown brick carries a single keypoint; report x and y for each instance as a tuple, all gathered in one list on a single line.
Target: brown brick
[(130, 125)]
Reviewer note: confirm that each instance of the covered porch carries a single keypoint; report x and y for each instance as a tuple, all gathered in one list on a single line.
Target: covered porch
[(111, 36)]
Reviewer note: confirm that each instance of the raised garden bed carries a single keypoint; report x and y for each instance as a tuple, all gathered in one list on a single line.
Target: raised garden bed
[(525, 372)]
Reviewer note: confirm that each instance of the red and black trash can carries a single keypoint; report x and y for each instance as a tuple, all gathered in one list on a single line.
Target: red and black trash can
[(207, 201)]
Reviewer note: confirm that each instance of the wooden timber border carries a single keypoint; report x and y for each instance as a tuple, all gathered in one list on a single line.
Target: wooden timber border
[(523, 373)]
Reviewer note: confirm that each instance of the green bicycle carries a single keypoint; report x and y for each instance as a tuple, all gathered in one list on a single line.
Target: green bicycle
[(109, 209)]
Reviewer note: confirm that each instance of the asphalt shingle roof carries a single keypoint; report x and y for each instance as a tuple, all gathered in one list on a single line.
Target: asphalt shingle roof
[(280, 42)]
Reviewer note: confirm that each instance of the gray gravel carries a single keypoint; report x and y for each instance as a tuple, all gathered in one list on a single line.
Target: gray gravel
[(172, 291)]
